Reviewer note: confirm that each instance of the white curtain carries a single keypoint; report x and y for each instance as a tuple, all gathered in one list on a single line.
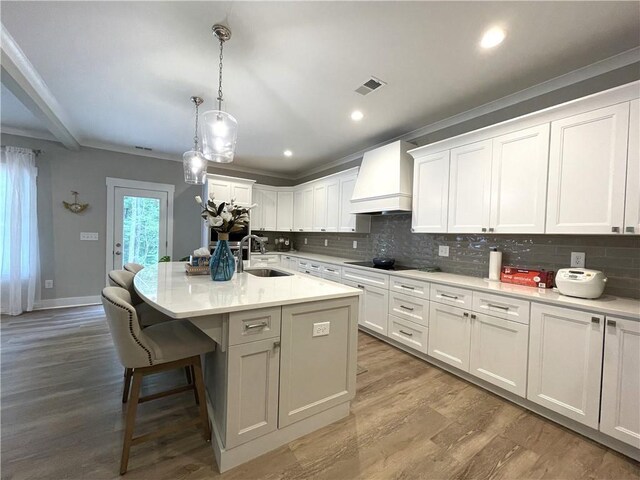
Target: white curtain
[(19, 259)]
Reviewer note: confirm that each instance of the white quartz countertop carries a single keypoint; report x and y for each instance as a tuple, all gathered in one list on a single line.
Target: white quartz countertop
[(169, 289), (606, 304)]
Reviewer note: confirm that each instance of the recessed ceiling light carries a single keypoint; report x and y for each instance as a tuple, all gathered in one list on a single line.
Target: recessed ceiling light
[(492, 37), (357, 115), (288, 153)]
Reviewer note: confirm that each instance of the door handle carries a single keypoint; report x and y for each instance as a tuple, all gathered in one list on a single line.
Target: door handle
[(118, 252), (119, 244)]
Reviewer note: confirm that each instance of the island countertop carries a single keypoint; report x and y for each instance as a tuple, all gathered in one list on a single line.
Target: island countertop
[(169, 289)]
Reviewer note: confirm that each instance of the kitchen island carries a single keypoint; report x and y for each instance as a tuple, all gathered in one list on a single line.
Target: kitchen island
[(285, 362)]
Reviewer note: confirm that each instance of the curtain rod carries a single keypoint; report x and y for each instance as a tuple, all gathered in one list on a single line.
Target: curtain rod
[(36, 151)]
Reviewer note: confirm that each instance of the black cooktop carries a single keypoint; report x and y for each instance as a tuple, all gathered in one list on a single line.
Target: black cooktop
[(395, 267)]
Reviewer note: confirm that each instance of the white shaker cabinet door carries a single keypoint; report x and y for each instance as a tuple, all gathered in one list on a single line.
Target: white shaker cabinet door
[(270, 209), (430, 193), (565, 361), (632, 205), (449, 335), (307, 209), (320, 207), (284, 218), (333, 204), (347, 219), (587, 167), (241, 192), (519, 181), (298, 210), (373, 307), (499, 352), (470, 188), (256, 214), (620, 411)]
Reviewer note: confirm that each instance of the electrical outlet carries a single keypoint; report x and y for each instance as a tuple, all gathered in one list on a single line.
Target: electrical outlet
[(305, 241), (578, 259), (93, 236), (326, 242), (48, 284), (321, 329), (443, 250), (355, 244)]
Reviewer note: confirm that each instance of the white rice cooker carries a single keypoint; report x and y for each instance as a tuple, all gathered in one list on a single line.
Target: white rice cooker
[(580, 282)]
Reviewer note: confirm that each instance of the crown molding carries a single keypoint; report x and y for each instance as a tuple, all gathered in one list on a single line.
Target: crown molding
[(576, 76), (23, 80), (26, 132)]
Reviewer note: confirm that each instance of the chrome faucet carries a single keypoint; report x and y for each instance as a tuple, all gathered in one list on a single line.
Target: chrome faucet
[(240, 265)]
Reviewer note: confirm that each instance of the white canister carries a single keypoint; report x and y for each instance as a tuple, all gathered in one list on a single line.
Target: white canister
[(495, 264)]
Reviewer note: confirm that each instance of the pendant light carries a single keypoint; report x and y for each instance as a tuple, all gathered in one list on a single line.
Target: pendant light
[(219, 130), (193, 162)]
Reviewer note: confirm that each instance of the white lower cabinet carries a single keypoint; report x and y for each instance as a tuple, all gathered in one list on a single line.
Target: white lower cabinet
[(499, 352), (565, 361), (449, 335), (408, 333), (373, 307), (252, 406), (620, 416)]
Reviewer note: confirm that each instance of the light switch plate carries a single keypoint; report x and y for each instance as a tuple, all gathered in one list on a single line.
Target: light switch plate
[(578, 259), (321, 329), (443, 250), (93, 236), (48, 284)]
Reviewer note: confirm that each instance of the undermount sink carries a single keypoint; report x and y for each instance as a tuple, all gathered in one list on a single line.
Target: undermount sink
[(266, 272)]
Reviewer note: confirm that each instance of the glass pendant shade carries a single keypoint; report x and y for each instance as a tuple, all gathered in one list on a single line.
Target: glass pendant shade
[(219, 135), (195, 167)]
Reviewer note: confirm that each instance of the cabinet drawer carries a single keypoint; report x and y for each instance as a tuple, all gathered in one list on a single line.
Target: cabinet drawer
[(315, 266), (331, 272), (411, 308), (254, 325), (502, 307), (365, 277), (416, 288), (408, 333), (458, 297)]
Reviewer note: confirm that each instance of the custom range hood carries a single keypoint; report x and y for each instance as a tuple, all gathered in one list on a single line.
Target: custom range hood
[(385, 181)]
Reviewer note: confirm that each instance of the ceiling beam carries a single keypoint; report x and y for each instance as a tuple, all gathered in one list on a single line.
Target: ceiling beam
[(22, 79)]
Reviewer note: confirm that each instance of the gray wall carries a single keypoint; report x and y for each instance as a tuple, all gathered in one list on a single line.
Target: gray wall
[(617, 255), (596, 84), (77, 267)]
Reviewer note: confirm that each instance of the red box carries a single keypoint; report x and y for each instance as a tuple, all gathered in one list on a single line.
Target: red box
[(527, 277)]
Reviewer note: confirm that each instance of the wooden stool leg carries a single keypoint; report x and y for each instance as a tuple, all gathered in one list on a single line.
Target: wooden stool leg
[(187, 374), (128, 373), (195, 392), (131, 420), (204, 416)]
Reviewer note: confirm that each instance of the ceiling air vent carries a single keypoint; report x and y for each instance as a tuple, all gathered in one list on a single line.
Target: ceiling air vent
[(370, 85), (143, 148)]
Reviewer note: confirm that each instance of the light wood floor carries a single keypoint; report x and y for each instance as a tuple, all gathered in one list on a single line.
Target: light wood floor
[(62, 417)]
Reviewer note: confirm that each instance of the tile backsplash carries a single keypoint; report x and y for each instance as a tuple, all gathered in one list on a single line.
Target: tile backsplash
[(617, 255)]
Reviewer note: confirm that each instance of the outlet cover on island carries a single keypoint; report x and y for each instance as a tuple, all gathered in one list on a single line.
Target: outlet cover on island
[(321, 329), (48, 284), (578, 259), (443, 250), (355, 244)]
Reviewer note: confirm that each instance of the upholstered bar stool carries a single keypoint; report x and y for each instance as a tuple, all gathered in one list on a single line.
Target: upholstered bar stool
[(147, 315), (160, 347), (133, 267)]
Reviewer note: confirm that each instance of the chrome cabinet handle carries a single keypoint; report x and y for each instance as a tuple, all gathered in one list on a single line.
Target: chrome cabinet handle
[(251, 326), (406, 333), (276, 345), (484, 230), (465, 314), (595, 320), (330, 270), (406, 308), (361, 286), (353, 229), (408, 287), (611, 323), (473, 316), (615, 229), (299, 229), (630, 229), (491, 229), (498, 306), (323, 230), (452, 297)]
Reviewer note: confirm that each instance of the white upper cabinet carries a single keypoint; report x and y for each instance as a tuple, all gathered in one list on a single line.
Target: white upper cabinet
[(519, 181), (470, 188), (319, 223), (264, 214), (587, 170), (333, 204), (430, 193), (565, 361), (227, 188), (632, 206), (620, 415), (284, 218), (303, 208), (347, 221)]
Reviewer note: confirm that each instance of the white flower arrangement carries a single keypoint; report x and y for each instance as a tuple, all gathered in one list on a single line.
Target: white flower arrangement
[(224, 217)]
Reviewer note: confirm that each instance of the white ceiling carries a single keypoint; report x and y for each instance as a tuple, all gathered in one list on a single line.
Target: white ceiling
[(124, 71)]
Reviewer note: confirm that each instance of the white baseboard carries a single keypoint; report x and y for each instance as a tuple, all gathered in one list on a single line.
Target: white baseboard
[(67, 302)]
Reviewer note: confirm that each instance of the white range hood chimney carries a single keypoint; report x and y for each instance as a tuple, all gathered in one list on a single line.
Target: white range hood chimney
[(385, 180)]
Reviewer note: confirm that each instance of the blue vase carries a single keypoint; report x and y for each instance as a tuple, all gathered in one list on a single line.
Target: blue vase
[(222, 264)]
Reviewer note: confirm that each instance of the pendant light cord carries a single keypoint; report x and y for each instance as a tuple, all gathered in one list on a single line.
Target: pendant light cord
[(195, 134), (220, 77)]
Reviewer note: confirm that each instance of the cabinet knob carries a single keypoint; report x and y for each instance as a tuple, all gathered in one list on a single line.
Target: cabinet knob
[(615, 229)]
